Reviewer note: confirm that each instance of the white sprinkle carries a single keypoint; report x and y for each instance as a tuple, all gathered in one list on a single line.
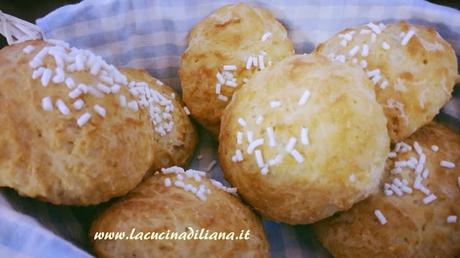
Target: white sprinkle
[(229, 67), (103, 88), (447, 164), (452, 219), (259, 158), (340, 58), (238, 156), (249, 136), (343, 43), (376, 78), (78, 104), (83, 119), (271, 136), (38, 73), (275, 104), (259, 120), (353, 51), (363, 63), (388, 192), (218, 88), (69, 83), (396, 190), (304, 136), (380, 217), (231, 83), (392, 155), (122, 100), (220, 78), (418, 148), (364, 32), (406, 189), (435, 148), (222, 98), (242, 122), (425, 173), (397, 182), (93, 91), (28, 49), (47, 104), (62, 107), (239, 138), (95, 67), (297, 156), (385, 45), (420, 164), (291, 144), (211, 166), (167, 182), (133, 106), (186, 110), (254, 144), (106, 79), (115, 88), (46, 77), (261, 62), (375, 28), (79, 62), (275, 161), (266, 36), (75, 93), (249, 63), (346, 36), (305, 96), (373, 73), (430, 198), (264, 170), (365, 50), (384, 84), (100, 110), (407, 37)]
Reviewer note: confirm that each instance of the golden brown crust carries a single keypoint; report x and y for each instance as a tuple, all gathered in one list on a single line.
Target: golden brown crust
[(153, 207), (227, 37), (413, 229), (347, 138), (176, 147), (47, 155), (420, 75)]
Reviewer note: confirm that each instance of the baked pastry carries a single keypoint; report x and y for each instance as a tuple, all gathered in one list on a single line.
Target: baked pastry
[(305, 139), (417, 204), (412, 67), (183, 205), (177, 146), (74, 129), (224, 50)]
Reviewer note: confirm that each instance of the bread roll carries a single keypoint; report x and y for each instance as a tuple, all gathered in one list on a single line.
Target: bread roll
[(417, 224), (224, 50), (74, 129), (163, 205), (306, 138), (412, 68)]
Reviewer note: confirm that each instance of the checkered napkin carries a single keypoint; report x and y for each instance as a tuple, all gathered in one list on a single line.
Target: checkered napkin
[(151, 35)]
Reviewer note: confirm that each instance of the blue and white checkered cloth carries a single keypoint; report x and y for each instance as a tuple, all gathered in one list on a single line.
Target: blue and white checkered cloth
[(151, 35)]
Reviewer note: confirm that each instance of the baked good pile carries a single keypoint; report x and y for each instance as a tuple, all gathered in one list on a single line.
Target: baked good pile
[(343, 138)]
